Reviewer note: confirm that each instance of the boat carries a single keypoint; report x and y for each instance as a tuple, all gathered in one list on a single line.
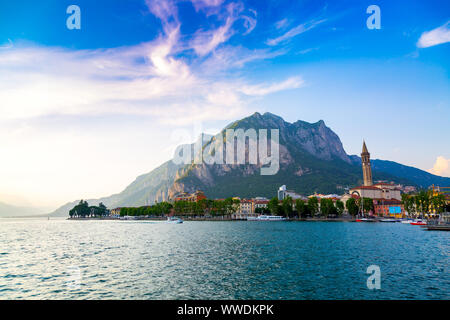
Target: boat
[(419, 222), (174, 220), (266, 218), (407, 221), (388, 220), (366, 220)]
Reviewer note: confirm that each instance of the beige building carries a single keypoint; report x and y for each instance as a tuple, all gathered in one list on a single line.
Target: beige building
[(246, 208), (378, 191)]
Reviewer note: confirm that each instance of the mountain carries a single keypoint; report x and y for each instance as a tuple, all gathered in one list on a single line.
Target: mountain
[(7, 210), (312, 159), (421, 178)]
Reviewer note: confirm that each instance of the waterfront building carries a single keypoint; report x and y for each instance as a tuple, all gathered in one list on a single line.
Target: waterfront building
[(246, 208), (388, 207), (115, 211), (263, 204), (283, 193), (191, 197), (378, 191)]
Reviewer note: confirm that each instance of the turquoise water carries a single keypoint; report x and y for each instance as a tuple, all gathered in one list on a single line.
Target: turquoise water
[(60, 259)]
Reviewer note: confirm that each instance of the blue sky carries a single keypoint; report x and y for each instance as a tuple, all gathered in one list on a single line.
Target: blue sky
[(139, 77)]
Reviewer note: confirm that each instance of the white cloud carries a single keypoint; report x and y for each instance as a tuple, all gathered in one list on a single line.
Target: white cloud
[(264, 89), (281, 23), (206, 41), (441, 167), (294, 32), (434, 37)]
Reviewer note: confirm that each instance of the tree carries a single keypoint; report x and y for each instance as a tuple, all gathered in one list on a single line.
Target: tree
[(287, 206), (80, 210), (352, 207), (274, 206), (339, 207), (103, 211), (368, 205), (327, 207), (408, 202), (300, 206), (438, 202), (230, 206), (313, 206), (422, 201)]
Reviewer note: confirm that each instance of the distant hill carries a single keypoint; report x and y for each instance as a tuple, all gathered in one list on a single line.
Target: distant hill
[(312, 159), (421, 178), (7, 210)]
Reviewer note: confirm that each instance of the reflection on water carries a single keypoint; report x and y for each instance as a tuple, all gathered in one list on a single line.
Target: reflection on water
[(60, 259)]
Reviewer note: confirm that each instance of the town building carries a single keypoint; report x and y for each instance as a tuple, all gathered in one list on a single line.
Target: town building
[(263, 204), (378, 191), (283, 193), (388, 208), (191, 197), (115, 212)]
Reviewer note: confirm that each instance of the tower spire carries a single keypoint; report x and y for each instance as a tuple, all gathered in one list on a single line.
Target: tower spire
[(366, 167), (364, 148)]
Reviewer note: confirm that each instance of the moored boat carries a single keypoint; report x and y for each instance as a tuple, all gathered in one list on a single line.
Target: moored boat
[(419, 222), (174, 220), (366, 220), (266, 218), (388, 220)]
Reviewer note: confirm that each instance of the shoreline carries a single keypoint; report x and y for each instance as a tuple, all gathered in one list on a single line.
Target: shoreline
[(213, 219)]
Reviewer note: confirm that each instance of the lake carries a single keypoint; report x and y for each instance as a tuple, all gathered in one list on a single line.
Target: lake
[(62, 259)]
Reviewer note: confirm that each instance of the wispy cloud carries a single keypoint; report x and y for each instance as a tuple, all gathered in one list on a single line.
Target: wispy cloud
[(7, 45), (434, 37), (264, 89), (281, 23), (146, 79), (206, 41), (301, 28)]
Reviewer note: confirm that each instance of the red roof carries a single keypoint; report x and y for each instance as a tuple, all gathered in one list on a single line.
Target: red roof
[(366, 188)]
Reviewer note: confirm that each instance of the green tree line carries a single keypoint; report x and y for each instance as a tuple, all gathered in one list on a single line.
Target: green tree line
[(83, 210), (208, 207), (303, 209), (158, 209), (424, 202)]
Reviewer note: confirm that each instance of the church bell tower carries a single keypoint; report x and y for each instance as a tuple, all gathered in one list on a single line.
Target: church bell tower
[(367, 170)]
